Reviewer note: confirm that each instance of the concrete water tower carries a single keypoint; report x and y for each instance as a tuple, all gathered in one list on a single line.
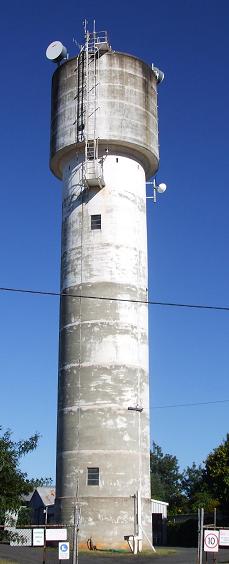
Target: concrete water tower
[(104, 145)]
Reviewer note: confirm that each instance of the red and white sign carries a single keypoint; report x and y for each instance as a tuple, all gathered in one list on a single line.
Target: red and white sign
[(211, 541)]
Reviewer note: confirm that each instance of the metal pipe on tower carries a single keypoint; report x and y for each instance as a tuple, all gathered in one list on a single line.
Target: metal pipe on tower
[(104, 144)]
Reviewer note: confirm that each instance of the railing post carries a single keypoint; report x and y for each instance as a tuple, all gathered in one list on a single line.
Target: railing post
[(201, 534)]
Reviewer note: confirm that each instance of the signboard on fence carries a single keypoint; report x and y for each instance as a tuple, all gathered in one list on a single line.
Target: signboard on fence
[(224, 537), (64, 552), (56, 534), (211, 541), (38, 537)]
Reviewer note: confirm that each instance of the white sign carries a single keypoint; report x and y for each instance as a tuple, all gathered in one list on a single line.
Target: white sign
[(56, 534), (211, 541), (224, 537), (38, 537), (64, 553)]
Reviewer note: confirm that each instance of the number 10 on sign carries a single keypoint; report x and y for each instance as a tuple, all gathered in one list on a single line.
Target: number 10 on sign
[(211, 541)]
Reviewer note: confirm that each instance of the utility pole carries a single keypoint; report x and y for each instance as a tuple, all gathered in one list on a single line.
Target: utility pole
[(201, 535)]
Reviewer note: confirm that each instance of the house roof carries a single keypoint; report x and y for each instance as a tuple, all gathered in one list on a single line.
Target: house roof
[(46, 494), (27, 498), (159, 501)]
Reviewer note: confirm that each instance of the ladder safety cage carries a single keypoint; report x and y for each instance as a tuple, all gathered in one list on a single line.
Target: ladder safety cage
[(96, 43)]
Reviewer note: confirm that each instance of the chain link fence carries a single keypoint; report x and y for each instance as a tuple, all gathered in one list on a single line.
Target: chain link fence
[(42, 541)]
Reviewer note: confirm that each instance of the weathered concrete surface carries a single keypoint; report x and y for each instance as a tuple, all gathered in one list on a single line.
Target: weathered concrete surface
[(126, 119), (104, 353), (103, 359)]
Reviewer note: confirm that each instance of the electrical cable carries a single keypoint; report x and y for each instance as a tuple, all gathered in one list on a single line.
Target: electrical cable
[(187, 404), (143, 302)]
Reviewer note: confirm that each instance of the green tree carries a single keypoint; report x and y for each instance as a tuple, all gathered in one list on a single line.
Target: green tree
[(13, 482), (203, 499), (216, 475), (196, 490), (166, 479), (40, 482), (192, 480), (24, 517), (198, 486)]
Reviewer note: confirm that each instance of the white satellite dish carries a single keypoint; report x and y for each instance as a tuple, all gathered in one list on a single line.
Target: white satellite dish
[(158, 74), (161, 188), (56, 51)]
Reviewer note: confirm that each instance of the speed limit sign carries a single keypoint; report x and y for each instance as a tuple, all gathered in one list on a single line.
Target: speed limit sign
[(211, 541)]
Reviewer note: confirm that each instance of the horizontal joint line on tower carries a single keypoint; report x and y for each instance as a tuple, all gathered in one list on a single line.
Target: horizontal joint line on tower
[(94, 407), (134, 105), (104, 322), (102, 451), (86, 497), (105, 365)]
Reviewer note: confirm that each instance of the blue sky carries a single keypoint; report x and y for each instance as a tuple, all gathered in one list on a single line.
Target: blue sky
[(187, 229)]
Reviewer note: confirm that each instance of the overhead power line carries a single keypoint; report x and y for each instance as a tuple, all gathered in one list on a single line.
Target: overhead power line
[(188, 404), (150, 302), (144, 302)]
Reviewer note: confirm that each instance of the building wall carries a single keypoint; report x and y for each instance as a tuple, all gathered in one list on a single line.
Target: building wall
[(159, 522)]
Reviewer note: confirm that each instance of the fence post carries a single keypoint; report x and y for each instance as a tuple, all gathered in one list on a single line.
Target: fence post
[(215, 516), (201, 534), (44, 549), (198, 544)]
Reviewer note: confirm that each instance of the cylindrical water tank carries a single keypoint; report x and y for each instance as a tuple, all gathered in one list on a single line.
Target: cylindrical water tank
[(126, 116)]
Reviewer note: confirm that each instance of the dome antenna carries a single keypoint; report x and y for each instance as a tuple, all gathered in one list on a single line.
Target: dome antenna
[(157, 189)]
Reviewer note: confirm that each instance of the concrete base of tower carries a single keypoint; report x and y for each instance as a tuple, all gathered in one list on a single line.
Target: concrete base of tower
[(106, 521)]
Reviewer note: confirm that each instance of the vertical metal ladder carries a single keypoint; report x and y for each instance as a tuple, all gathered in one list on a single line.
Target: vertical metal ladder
[(94, 44)]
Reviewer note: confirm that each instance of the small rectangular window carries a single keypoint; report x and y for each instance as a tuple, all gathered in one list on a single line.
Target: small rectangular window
[(93, 476), (95, 221)]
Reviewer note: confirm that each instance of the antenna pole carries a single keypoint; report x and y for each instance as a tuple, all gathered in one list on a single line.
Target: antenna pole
[(154, 191), (85, 22)]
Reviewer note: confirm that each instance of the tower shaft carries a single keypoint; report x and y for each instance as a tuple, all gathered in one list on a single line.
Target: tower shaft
[(103, 367)]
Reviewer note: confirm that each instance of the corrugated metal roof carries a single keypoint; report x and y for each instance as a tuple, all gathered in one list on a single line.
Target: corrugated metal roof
[(159, 507), (26, 498), (47, 495), (158, 501)]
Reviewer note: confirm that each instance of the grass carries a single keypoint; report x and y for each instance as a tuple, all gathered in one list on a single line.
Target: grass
[(126, 553), (7, 561)]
